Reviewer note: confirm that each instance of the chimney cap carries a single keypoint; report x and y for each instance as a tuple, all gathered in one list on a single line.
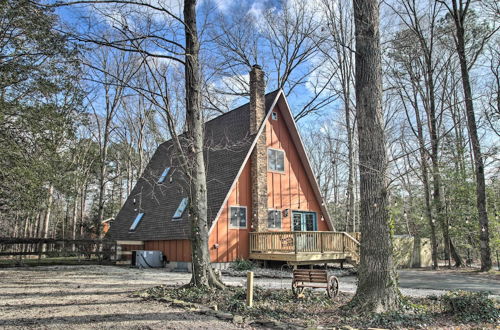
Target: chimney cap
[(256, 66)]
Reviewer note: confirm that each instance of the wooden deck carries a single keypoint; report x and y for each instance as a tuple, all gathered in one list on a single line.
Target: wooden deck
[(304, 247)]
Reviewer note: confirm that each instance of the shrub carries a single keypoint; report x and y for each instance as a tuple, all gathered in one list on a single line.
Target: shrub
[(470, 306), (400, 319), (242, 264)]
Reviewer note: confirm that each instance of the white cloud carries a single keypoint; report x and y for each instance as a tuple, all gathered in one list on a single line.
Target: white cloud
[(224, 5)]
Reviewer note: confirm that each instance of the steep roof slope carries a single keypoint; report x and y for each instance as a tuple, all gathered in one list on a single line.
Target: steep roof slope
[(227, 140)]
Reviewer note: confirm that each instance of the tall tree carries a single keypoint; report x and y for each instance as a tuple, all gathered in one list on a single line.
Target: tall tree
[(377, 287), (38, 101), (203, 274), (459, 11), (139, 32), (338, 51)]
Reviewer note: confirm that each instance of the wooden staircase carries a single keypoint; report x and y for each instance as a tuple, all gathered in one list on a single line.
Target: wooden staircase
[(353, 249)]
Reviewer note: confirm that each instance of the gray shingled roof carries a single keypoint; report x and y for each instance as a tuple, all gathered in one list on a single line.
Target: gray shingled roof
[(227, 140)]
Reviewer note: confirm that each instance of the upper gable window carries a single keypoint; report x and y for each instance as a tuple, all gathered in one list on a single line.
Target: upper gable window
[(136, 221), (276, 160), (238, 216), (274, 115), (164, 175), (180, 210)]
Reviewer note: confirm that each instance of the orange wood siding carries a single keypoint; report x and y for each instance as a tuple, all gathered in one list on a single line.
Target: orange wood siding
[(175, 250), (289, 190), (232, 242)]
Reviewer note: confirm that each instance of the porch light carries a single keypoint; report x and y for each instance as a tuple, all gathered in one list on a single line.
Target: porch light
[(285, 213), (216, 245)]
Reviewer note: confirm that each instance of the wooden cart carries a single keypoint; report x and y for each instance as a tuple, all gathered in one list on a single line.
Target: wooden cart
[(303, 278)]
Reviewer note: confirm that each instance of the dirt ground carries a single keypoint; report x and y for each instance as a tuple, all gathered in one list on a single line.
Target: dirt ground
[(90, 297)]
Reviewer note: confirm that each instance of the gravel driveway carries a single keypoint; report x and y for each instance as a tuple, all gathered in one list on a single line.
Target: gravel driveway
[(89, 297)]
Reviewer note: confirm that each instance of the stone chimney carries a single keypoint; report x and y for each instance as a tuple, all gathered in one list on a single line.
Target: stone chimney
[(259, 153)]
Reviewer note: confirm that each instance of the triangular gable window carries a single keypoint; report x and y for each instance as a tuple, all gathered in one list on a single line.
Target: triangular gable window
[(164, 175), (136, 221), (180, 210)]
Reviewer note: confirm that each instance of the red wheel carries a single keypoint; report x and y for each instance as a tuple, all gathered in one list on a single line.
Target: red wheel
[(332, 287)]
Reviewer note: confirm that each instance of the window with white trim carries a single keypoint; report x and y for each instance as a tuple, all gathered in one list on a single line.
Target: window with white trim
[(181, 208), (137, 219), (274, 115), (238, 216), (164, 175), (274, 219), (276, 160)]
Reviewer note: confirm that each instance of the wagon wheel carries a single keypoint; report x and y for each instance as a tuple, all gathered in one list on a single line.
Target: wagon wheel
[(332, 287), (296, 289)]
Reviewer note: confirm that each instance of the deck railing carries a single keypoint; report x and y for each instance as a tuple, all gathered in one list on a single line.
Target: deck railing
[(303, 242)]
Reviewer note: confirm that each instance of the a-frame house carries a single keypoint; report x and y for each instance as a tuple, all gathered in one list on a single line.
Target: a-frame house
[(263, 199)]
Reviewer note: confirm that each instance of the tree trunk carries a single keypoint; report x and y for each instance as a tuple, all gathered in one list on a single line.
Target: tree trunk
[(102, 183), (83, 199), (46, 222), (350, 178), (377, 287), (459, 14), (74, 218), (436, 175), (203, 274), (425, 180)]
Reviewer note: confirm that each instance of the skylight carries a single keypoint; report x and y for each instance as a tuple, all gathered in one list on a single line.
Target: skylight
[(136, 221), (180, 210), (164, 175)]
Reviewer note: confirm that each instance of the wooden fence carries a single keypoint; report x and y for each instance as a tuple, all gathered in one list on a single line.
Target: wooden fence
[(32, 248)]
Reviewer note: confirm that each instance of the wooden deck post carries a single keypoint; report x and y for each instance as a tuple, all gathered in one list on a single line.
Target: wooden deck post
[(295, 241), (321, 242), (343, 242), (249, 289)]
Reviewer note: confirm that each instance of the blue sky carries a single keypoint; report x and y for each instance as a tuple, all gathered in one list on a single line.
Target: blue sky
[(78, 17)]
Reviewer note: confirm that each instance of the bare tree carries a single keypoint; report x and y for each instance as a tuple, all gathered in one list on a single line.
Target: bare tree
[(286, 42), (338, 50), (203, 274), (111, 70), (420, 23), (139, 33), (459, 11)]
